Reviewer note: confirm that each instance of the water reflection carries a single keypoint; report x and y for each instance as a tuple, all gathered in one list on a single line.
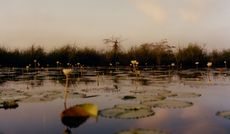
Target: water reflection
[(36, 79), (45, 99), (76, 115)]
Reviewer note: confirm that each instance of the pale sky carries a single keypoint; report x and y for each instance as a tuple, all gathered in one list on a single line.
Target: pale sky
[(53, 23)]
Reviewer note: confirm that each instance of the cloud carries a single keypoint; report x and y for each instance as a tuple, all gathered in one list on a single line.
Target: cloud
[(195, 10), (189, 15), (184, 10), (152, 8)]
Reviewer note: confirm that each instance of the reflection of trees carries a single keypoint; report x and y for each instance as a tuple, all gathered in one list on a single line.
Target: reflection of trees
[(116, 79), (190, 74)]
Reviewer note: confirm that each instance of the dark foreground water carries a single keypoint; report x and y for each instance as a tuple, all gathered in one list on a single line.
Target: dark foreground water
[(40, 97)]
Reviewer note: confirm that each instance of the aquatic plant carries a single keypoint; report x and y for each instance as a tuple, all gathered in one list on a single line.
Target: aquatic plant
[(67, 72), (128, 97), (127, 111), (209, 64), (8, 104), (101, 90), (224, 114), (168, 103), (141, 131), (87, 109), (135, 65), (130, 106), (186, 95), (78, 114), (144, 97)]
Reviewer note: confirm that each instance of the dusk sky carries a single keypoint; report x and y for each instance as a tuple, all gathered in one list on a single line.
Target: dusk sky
[(54, 23)]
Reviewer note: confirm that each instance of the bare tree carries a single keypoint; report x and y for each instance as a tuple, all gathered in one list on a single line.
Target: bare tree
[(116, 48)]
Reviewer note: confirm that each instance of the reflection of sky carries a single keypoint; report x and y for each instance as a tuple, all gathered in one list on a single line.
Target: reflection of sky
[(188, 121)]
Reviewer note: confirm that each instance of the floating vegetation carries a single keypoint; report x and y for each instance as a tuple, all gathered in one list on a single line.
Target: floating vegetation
[(186, 95), (168, 104), (90, 96), (8, 104), (224, 114), (150, 97), (144, 97), (127, 111), (102, 89), (141, 131), (129, 97), (78, 114), (152, 92), (13, 94), (139, 91), (37, 94), (159, 91), (131, 106), (166, 94)]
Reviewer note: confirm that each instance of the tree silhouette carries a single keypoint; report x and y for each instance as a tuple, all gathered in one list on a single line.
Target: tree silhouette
[(116, 48)]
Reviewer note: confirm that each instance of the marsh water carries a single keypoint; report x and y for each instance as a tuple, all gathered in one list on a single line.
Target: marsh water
[(42, 96)]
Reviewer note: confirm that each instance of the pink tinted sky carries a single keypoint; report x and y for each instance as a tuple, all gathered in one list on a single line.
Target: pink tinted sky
[(53, 23)]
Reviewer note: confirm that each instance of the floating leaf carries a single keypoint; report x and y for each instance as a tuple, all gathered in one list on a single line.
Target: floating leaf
[(186, 95), (152, 92), (128, 97), (168, 104), (8, 104), (102, 90), (141, 131), (138, 91), (78, 114), (225, 114), (143, 97), (127, 111), (163, 92), (150, 97), (131, 106)]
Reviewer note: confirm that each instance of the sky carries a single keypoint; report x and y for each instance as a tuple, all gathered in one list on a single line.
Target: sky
[(54, 23)]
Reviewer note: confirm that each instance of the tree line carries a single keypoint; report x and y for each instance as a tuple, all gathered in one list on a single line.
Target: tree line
[(148, 54)]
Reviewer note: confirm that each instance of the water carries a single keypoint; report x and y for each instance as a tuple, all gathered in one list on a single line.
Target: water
[(41, 94)]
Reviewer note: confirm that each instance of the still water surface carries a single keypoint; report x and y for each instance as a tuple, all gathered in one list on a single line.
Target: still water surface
[(41, 94)]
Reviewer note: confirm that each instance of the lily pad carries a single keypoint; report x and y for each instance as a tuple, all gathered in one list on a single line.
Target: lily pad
[(9, 104), (129, 111), (163, 92), (101, 90), (141, 131), (131, 106), (138, 91), (225, 114), (128, 97), (149, 97), (186, 95), (168, 104)]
